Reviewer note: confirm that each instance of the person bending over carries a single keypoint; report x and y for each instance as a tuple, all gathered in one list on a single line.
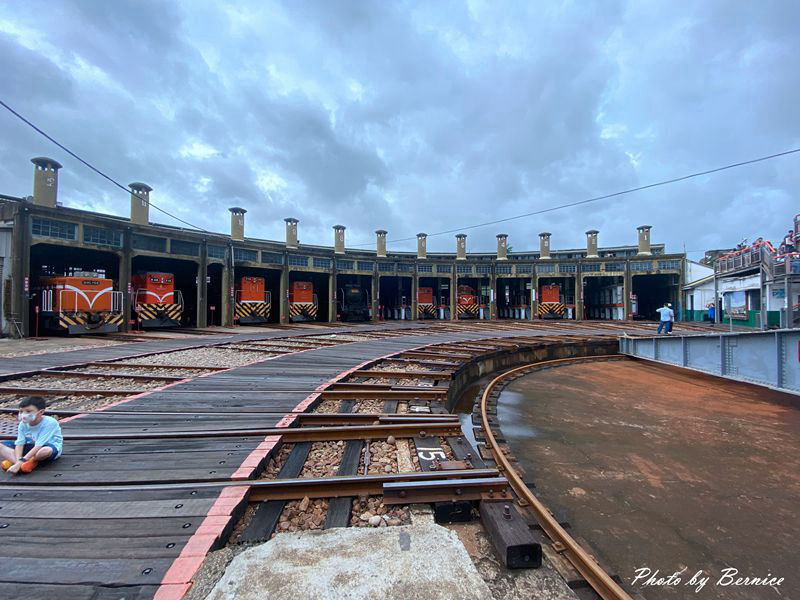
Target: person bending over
[(39, 438)]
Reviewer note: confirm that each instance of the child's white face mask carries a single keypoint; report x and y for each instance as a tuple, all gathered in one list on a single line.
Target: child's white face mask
[(26, 417)]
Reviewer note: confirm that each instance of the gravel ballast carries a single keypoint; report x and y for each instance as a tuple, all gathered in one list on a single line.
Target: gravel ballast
[(200, 357)]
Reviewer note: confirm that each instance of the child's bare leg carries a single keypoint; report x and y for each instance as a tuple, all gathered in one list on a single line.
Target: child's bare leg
[(8, 453), (42, 454)]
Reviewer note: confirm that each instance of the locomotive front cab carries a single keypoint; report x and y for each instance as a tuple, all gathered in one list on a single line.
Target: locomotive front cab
[(467, 303), (303, 303), (425, 305), (155, 300), (79, 303), (551, 305), (353, 303), (253, 303)]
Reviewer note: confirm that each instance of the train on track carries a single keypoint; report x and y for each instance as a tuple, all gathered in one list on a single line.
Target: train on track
[(253, 303), (155, 301), (467, 303), (426, 308), (303, 304), (353, 303), (551, 303), (78, 302)]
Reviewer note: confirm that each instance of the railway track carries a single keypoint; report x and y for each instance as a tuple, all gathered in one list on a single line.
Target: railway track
[(580, 558), (299, 432)]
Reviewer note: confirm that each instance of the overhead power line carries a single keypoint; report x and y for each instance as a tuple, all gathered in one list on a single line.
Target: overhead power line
[(603, 197), (92, 167), (465, 228)]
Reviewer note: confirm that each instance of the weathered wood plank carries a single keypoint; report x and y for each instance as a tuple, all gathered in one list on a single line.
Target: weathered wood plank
[(514, 542), (107, 510), (37, 591), (266, 516), (339, 509), (87, 571), (119, 547)]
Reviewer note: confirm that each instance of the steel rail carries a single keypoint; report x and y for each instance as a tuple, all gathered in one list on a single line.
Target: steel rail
[(265, 487), (320, 418), (393, 393), (402, 374), (124, 365), (84, 375), (584, 563), (287, 434)]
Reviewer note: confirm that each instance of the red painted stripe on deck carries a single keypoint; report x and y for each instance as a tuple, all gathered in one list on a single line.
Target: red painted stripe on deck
[(179, 576), (171, 592)]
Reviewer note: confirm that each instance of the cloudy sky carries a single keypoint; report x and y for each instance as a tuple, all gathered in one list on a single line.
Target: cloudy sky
[(414, 116)]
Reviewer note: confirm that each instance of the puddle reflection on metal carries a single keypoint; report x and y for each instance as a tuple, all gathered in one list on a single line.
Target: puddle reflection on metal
[(513, 414)]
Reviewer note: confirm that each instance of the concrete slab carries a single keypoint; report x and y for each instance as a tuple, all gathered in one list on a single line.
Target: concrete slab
[(422, 560)]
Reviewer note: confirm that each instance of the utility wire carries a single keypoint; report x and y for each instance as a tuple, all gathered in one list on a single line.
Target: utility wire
[(96, 170), (604, 197), (485, 224)]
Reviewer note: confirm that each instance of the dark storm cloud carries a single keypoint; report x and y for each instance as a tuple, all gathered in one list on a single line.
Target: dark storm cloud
[(414, 116)]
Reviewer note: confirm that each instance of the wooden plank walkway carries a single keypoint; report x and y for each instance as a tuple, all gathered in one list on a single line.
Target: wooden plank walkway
[(31, 362), (136, 544)]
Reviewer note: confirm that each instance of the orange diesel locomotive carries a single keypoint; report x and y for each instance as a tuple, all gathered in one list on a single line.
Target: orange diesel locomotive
[(302, 302), (550, 304), (425, 308), (253, 302), (155, 300), (467, 306), (83, 302)]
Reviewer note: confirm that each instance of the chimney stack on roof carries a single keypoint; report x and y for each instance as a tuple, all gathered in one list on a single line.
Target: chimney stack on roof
[(461, 246), (140, 203), (422, 242), (380, 240), (291, 232), (237, 223), (338, 239), (644, 240), (502, 246), (45, 181), (544, 244), (591, 243)]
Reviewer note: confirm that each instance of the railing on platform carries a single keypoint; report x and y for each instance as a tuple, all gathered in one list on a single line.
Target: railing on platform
[(746, 258), (769, 358), (786, 264)]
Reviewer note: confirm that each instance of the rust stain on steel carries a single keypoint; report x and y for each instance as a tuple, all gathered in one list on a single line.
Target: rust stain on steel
[(664, 468)]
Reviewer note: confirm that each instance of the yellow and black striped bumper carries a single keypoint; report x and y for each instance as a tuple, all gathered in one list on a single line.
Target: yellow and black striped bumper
[(302, 311), (160, 315), (81, 322), (551, 308), (252, 312), (466, 311), (425, 311)]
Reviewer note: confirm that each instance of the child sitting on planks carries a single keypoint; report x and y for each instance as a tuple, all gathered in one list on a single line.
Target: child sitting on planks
[(39, 438)]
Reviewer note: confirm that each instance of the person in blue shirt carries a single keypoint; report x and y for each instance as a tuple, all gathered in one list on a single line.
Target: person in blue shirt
[(39, 438), (667, 317), (711, 312)]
